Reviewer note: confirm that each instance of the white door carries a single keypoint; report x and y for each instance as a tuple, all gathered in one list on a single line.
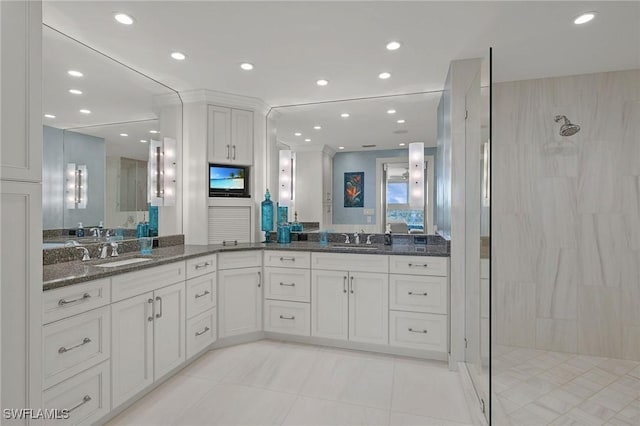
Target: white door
[(219, 134), (131, 346), (169, 329), (329, 304), (240, 301), (242, 136), (369, 307)]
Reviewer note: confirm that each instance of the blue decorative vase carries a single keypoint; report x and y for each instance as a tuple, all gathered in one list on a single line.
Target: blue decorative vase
[(267, 217)]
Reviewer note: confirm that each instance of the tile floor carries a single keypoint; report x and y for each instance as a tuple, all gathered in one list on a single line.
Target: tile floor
[(536, 387), (276, 383)]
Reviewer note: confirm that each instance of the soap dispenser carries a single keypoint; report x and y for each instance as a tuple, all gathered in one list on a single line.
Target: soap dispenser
[(80, 230), (387, 235)]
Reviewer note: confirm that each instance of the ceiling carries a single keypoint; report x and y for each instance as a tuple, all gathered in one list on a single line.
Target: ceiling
[(293, 44)]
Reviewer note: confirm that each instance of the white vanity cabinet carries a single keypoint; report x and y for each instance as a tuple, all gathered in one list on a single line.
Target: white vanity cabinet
[(347, 302), (239, 292), (147, 330), (230, 135), (201, 303)]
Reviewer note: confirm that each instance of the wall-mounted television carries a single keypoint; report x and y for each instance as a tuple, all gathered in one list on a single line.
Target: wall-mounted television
[(228, 181)]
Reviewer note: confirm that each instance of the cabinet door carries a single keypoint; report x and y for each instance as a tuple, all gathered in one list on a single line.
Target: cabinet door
[(329, 304), (131, 346), (219, 134), (240, 301), (242, 136), (168, 329), (369, 307)]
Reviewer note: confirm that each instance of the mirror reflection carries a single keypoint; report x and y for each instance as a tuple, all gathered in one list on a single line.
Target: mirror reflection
[(100, 119), (351, 162)]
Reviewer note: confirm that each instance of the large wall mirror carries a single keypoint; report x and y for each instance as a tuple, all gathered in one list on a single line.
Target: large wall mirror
[(351, 166), (100, 119)]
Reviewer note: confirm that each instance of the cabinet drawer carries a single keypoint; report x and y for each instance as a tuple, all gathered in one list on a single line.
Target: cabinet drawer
[(75, 299), (75, 344), (288, 284), (139, 282), (201, 294), (350, 262), (418, 294), (86, 396), (201, 332), (419, 265), (287, 317), (418, 331), (288, 259), (240, 259), (201, 266)]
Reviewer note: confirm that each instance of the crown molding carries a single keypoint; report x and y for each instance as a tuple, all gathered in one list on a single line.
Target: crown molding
[(225, 99)]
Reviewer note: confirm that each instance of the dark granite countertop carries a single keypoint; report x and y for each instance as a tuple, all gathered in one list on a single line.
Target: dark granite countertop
[(66, 273)]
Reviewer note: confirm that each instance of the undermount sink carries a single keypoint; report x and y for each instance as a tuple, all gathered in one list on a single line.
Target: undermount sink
[(123, 262), (350, 247)]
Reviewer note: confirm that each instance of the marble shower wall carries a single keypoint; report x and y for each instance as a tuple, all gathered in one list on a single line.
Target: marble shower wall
[(566, 215)]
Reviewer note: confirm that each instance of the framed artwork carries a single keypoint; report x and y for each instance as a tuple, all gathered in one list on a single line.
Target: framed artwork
[(354, 189)]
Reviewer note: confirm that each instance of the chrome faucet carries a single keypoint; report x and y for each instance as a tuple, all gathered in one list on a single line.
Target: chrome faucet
[(85, 253), (369, 238), (356, 237), (346, 238), (104, 248)]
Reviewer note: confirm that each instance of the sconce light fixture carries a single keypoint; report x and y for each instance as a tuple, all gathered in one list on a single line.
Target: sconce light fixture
[(486, 175), (162, 172), (285, 178), (76, 189), (416, 175)]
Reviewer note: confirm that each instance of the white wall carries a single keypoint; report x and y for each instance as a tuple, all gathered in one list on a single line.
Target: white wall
[(566, 215)]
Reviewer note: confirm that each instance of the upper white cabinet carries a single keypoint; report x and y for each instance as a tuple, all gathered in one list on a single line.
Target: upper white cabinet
[(229, 135)]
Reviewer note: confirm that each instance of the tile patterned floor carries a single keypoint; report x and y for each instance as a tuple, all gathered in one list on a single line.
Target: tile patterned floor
[(276, 383), (536, 387)]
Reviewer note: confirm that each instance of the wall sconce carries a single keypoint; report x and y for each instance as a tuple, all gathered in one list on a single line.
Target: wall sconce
[(76, 189), (416, 175), (285, 178), (486, 175), (162, 172)]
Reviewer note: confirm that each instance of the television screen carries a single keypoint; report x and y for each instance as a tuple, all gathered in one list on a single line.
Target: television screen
[(226, 177)]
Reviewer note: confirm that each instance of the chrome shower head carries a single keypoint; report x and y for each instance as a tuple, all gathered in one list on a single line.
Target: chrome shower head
[(567, 129)]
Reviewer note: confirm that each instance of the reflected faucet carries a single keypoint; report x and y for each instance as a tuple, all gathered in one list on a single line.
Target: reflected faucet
[(346, 238)]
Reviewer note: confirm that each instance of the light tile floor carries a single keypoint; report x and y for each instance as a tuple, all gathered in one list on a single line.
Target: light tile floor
[(276, 383), (536, 387)]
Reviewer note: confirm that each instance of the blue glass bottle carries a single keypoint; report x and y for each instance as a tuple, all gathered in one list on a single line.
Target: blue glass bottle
[(267, 217)]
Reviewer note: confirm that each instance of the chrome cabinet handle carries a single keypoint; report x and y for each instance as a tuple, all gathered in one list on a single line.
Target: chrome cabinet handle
[(159, 299), (228, 155), (84, 297), (418, 294), (288, 285), (259, 279), (344, 284), (418, 265), (291, 259), (85, 399), (417, 331), (84, 342), (200, 333), (202, 265), (287, 318), (229, 243), (203, 294), (234, 152), (351, 286), (153, 309)]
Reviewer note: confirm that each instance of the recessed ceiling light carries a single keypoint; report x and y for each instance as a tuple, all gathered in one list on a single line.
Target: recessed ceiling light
[(307, 140), (297, 134), (341, 147), (384, 75), (393, 45), (144, 140), (317, 127), (584, 18), (402, 144), (246, 66), (50, 116), (124, 135), (153, 132), (85, 111), (401, 121), (75, 91), (322, 82), (391, 111), (123, 18), (345, 115), (75, 73), (178, 56)]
